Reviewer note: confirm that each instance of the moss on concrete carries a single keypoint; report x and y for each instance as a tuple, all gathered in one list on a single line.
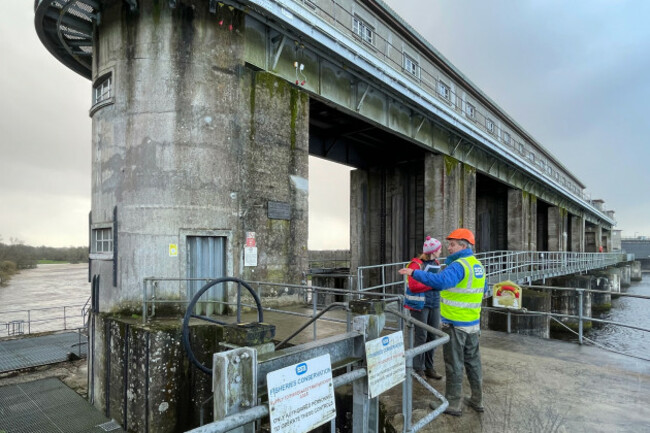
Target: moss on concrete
[(450, 164)]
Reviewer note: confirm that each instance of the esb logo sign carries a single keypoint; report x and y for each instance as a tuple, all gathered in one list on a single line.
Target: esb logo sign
[(301, 369), (478, 271)]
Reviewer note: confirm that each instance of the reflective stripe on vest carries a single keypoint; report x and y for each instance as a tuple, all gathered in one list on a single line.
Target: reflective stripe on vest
[(461, 305)]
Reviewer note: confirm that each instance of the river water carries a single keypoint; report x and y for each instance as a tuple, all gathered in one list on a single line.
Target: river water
[(631, 311), (49, 291), (47, 298)]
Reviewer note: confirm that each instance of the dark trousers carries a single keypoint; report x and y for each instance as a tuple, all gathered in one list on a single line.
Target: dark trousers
[(430, 316), (462, 350)]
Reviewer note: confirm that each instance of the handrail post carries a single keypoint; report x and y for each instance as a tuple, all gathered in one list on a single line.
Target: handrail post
[(29, 321), (65, 327), (580, 303)]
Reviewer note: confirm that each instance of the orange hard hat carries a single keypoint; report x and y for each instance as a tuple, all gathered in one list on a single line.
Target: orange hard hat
[(462, 234)]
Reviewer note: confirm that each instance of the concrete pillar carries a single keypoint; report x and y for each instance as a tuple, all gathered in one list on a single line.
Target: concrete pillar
[(450, 195), (378, 222), (568, 302), (636, 274), (192, 143), (626, 276), (557, 229), (606, 240), (577, 241), (593, 238), (610, 279), (601, 301), (522, 221)]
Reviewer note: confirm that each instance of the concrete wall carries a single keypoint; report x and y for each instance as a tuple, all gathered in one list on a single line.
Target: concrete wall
[(577, 240), (140, 375), (522, 221), (193, 144), (557, 229), (450, 196)]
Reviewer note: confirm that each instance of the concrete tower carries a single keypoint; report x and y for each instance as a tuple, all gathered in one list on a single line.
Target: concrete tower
[(194, 157)]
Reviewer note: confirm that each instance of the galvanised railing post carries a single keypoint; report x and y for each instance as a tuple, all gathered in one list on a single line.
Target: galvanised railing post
[(65, 327), (29, 321), (580, 303)]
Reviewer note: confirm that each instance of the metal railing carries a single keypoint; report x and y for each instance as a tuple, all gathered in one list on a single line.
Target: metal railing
[(517, 266), (339, 349), (580, 318), (318, 298), (35, 320)]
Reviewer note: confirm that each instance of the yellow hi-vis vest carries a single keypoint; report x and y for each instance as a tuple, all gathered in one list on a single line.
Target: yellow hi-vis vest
[(461, 305)]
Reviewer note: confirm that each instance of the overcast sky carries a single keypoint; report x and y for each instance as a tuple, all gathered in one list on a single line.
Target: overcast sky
[(575, 74)]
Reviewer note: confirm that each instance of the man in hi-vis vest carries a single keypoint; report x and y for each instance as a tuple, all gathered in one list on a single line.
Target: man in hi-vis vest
[(462, 286)]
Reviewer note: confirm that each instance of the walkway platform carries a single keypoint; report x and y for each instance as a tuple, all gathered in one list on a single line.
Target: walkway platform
[(530, 385), (537, 385), (33, 351), (48, 405)]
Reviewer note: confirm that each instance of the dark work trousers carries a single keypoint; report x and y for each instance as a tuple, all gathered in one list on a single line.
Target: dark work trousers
[(462, 350), (430, 316)]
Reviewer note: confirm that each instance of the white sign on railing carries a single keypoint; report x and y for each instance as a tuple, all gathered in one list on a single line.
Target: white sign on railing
[(386, 363), (301, 396)]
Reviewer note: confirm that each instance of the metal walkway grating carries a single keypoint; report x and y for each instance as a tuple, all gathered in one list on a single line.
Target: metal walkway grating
[(47, 406), (42, 350)]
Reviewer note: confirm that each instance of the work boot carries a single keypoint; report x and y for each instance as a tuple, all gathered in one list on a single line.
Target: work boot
[(432, 373), (421, 374), (454, 409), (474, 404)]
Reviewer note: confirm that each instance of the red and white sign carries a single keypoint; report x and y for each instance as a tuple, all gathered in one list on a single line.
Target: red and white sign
[(250, 239)]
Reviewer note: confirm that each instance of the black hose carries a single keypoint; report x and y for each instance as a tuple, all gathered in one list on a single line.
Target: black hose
[(189, 315)]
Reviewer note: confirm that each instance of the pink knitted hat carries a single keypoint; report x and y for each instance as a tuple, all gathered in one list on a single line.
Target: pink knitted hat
[(431, 245)]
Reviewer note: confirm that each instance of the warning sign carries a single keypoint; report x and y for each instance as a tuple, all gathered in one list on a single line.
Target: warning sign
[(250, 239), (301, 396), (386, 365)]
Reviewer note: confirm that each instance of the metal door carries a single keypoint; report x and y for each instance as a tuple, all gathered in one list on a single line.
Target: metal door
[(206, 259)]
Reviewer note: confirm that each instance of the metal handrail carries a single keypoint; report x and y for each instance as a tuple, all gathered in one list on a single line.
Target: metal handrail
[(260, 411), (517, 266), (35, 318)]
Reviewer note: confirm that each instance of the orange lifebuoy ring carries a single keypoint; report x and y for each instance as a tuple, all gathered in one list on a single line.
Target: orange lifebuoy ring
[(514, 290)]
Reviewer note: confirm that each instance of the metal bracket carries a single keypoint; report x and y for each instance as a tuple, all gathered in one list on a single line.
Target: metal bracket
[(276, 56), (469, 152), (172, 4), (234, 383), (363, 97), (456, 147), (213, 6), (417, 130)]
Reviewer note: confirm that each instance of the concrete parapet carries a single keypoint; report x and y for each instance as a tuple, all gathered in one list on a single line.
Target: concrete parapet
[(140, 376), (537, 325)]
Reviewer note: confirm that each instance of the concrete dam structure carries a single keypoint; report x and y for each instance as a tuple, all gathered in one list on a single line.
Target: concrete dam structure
[(204, 114)]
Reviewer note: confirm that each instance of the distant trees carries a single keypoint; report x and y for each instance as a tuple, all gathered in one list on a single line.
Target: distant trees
[(16, 256)]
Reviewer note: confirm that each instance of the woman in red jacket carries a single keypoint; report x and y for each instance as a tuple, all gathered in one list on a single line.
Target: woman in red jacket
[(424, 305)]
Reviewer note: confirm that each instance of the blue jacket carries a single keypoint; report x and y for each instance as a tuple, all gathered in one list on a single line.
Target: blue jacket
[(449, 277)]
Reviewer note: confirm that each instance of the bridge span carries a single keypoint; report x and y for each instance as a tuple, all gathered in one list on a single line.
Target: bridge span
[(205, 113)]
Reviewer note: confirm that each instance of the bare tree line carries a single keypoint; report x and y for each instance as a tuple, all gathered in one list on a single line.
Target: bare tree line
[(15, 256)]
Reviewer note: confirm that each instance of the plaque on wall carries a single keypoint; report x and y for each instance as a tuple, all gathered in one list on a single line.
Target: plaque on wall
[(279, 210)]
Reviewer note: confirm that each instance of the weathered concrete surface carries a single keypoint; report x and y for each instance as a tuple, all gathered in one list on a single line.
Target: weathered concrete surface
[(538, 385), (522, 220), (192, 143)]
